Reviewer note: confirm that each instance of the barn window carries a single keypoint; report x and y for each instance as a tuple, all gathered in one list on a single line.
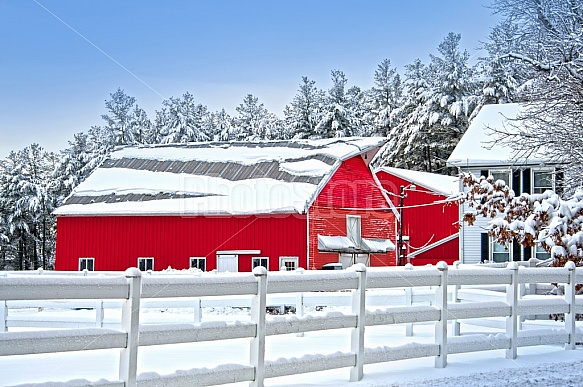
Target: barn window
[(86, 263), (145, 264), (198, 263), (290, 263), (353, 228), (259, 261)]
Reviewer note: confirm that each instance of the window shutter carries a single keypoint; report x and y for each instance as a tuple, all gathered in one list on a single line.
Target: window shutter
[(516, 248), (527, 253), (526, 185), (485, 247), (484, 172), (516, 182), (559, 180)]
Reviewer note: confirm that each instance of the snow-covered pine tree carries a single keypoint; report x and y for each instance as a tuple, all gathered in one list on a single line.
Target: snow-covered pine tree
[(248, 124), (27, 205), (120, 119), (141, 126), (406, 147), (384, 98), (223, 126), (439, 111), (74, 165), (185, 120), (305, 110), (501, 78), (337, 120)]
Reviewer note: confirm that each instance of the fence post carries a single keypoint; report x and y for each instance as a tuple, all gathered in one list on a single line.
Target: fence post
[(130, 323), (512, 320), (258, 310), (197, 310), (441, 325), (300, 302), (455, 325), (409, 302), (99, 314), (4, 314), (570, 298), (357, 335)]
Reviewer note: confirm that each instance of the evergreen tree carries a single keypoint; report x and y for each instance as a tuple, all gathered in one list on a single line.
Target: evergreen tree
[(384, 98), (305, 110), (443, 96), (184, 120), (337, 120), (120, 120), (223, 126), (249, 124)]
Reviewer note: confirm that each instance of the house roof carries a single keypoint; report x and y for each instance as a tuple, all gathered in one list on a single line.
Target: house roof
[(476, 147), (445, 185), (214, 178)]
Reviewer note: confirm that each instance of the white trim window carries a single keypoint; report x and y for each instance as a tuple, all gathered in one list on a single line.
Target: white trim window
[(259, 261), (500, 253), (86, 264), (146, 263), (198, 263), (290, 263), (540, 253), (503, 175), (542, 181)]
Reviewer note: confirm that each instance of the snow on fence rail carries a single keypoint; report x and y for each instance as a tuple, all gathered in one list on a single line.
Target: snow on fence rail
[(132, 289)]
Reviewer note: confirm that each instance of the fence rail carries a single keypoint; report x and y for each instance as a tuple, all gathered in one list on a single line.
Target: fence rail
[(132, 292)]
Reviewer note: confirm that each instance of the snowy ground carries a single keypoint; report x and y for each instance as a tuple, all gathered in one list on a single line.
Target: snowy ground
[(535, 366)]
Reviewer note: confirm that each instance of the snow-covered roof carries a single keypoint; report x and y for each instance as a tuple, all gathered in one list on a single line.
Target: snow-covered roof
[(442, 184), (476, 148), (213, 178), (342, 244)]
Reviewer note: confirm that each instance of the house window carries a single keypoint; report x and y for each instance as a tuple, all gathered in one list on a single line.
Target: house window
[(198, 263), (540, 253), (259, 261), (542, 181), (290, 263), (86, 264), (501, 175), (499, 252), (145, 264)]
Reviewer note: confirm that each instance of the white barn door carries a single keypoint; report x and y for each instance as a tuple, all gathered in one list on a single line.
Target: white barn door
[(227, 263)]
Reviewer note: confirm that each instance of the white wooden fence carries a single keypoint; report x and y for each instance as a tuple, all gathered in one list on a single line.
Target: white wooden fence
[(133, 288)]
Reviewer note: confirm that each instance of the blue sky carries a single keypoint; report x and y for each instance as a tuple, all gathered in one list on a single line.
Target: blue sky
[(60, 60)]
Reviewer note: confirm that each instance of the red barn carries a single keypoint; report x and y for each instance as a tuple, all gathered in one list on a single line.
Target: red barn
[(430, 225), (230, 207)]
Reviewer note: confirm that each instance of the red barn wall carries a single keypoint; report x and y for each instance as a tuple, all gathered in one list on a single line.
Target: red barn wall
[(352, 190), (116, 242), (425, 224)]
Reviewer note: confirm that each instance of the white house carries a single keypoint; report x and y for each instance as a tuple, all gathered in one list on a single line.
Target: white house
[(476, 153)]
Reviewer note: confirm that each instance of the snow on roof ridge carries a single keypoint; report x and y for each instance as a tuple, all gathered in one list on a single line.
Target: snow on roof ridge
[(251, 152), (439, 183)]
